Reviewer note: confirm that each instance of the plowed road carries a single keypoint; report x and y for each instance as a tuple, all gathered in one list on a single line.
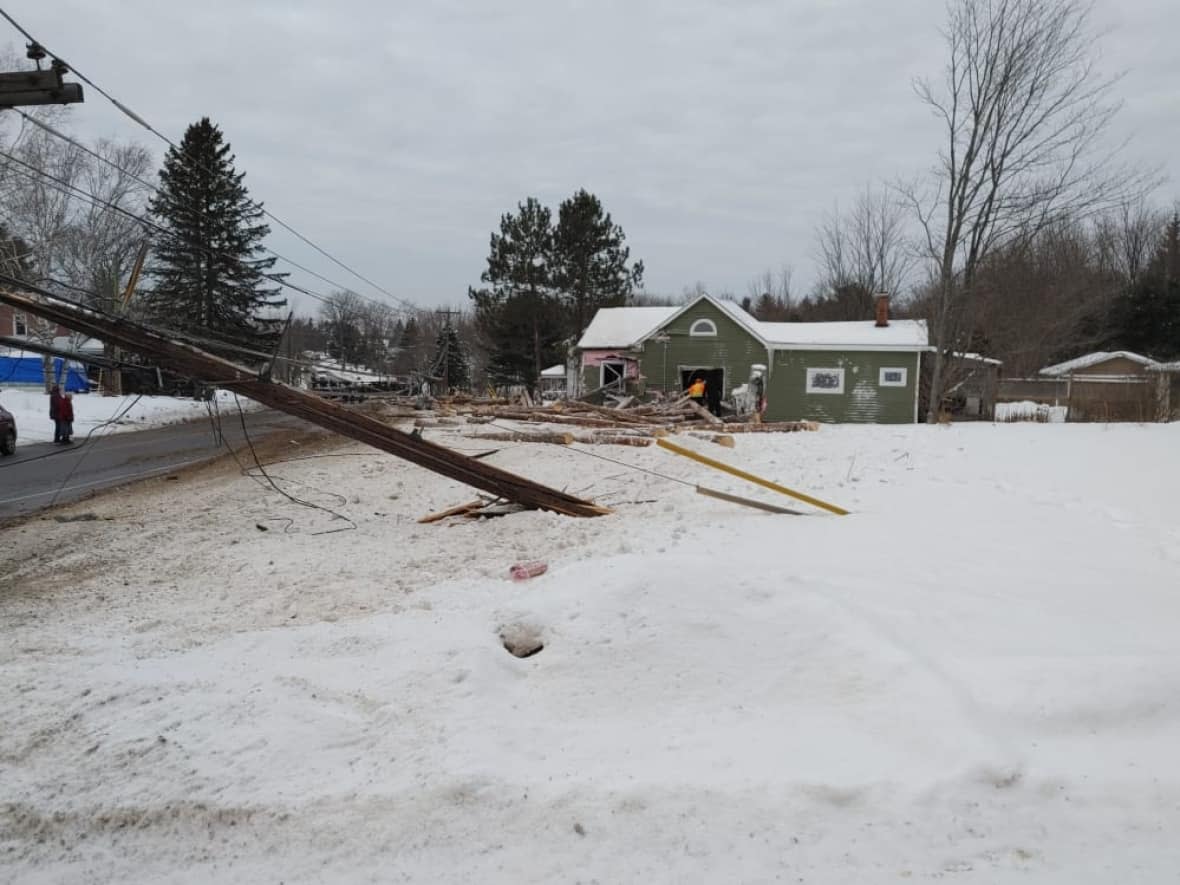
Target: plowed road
[(43, 474)]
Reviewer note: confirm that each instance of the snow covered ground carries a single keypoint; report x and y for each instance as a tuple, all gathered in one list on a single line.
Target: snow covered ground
[(973, 677), (101, 414)]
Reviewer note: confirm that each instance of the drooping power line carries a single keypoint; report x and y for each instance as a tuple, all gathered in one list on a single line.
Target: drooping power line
[(136, 118)]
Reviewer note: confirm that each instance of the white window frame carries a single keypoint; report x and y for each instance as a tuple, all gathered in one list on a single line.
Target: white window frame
[(703, 328), (20, 321), (881, 382), (811, 373), (602, 371)]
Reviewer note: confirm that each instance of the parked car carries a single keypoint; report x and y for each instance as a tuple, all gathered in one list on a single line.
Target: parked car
[(7, 432)]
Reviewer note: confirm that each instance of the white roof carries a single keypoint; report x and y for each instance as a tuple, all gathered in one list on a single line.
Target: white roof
[(623, 326), (1093, 359), (907, 334), (553, 372), (627, 326), (331, 369)]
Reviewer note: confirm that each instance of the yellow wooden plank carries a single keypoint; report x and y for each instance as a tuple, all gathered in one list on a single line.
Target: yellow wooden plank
[(749, 477)]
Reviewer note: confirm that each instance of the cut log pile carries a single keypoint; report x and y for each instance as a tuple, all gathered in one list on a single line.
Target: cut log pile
[(628, 423)]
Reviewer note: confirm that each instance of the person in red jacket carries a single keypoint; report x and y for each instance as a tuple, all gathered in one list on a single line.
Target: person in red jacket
[(66, 411), (55, 400)]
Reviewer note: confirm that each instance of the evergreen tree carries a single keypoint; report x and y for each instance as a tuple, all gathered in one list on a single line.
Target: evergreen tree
[(450, 359), (590, 260), (518, 314), (208, 274), (406, 360)]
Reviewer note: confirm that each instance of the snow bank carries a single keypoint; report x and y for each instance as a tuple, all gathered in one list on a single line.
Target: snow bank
[(103, 414), (1027, 410), (975, 673)]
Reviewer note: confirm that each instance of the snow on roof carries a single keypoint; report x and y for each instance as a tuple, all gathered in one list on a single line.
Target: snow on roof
[(978, 358), (866, 333), (1165, 367), (623, 326), (557, 371), (1094, 359), (332, 370), (626, 326)]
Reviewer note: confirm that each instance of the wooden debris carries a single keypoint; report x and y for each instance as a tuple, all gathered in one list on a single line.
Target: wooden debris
[(706, 414), (750, 477), (184, 359), (746, 502), (559, 439), (776, 427), (458, 510), (723, 439), (613, 439)]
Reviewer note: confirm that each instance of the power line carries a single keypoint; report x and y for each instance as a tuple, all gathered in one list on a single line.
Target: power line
[(69, 189), (130, 114), (189, 337), (156, 190)]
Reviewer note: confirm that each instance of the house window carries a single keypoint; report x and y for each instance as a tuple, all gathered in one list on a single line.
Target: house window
[(20, 326), (825, 380), (892, 378), (701, 328), (612, 375)]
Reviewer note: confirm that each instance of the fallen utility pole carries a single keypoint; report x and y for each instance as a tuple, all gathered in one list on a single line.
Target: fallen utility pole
[(187, 360)]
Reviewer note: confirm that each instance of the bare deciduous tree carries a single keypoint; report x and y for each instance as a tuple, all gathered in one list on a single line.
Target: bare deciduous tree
[(341, 315), (770, 296), (1127, 238), (865, 246), (1024, 115)]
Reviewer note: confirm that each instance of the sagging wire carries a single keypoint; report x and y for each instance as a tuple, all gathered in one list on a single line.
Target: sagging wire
[(119, 413), (267, 480)]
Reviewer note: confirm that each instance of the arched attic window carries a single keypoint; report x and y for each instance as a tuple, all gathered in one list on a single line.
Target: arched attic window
[(702, 328)]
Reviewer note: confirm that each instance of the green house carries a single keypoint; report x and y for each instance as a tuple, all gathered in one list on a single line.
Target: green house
[(862, 372)]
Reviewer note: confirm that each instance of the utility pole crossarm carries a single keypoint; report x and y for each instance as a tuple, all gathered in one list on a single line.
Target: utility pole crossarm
[(24, 88)]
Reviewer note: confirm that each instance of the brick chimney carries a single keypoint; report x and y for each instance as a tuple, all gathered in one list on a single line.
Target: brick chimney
[(882, 309)]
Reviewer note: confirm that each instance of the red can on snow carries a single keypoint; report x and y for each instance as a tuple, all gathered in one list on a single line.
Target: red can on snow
[(522, 571)]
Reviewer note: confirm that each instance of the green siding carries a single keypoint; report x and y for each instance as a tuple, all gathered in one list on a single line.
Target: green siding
[(733, 349), (863, 400)]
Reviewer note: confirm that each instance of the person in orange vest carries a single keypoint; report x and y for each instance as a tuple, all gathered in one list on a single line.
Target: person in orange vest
[(696, 391)]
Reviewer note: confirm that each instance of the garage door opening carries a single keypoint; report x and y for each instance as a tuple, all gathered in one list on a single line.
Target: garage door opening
[(714, 385)]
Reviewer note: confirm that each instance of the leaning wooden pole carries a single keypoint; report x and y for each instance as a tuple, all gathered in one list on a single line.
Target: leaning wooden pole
[(187, 360)]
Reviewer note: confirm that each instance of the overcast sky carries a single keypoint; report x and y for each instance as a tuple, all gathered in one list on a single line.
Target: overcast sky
[(716, 133)]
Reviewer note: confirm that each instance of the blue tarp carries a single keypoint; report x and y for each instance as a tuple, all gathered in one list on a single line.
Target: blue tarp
[(27, 370)]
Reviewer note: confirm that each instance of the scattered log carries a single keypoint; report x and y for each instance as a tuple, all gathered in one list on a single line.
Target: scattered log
[(595, 439), (438, 422), (776, 427), (559, 439), (706, 414)]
